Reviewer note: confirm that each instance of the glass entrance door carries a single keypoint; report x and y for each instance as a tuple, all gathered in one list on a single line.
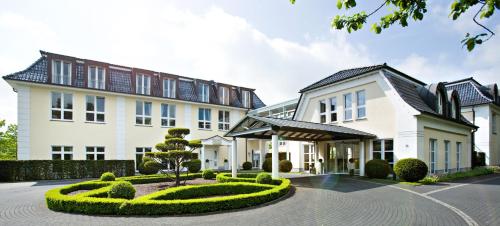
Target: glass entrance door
[(341, 157)]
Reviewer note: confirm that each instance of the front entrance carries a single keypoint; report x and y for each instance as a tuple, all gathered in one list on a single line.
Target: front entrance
[(342, 157)]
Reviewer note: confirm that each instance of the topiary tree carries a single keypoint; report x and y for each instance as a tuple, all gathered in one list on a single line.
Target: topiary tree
[(411, 169), (377, 168), (267, 165), (285, 166), (149, 166), (208, 174), (193, 166), (122, 190), (264, 178), (247, 166), (175, 150), (107, 176)]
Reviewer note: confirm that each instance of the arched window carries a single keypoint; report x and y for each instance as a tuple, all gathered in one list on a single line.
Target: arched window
[(439, 107), (454, 108)]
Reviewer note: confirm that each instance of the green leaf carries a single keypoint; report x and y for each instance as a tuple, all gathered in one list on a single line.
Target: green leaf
[(339, 4)]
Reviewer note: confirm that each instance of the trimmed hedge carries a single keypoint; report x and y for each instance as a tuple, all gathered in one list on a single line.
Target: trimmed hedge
[(26, 170), (377, 168), (411, 169), (107, 176), (122, 190), (267, 165), (208, 174), (264, 178), (247, 166), (157, 178), (242, 177), (178, 200), (285, 166)]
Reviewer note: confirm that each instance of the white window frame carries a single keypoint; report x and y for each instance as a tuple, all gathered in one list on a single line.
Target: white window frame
[(62, 152), (143, 116), (142, 152), (433, 149), (62, 79), (207, 123), (224, 95), (63, 108), (245, 98), (205, 92), (169, 88), (143, 84), (453, 108), (94, 152), (171, 113), (333, 102), (225, 123), (95, 112), (96, 83), (459, 152), (347, 108), (439, 102), (360, 106), (447, 147), (322, 114)]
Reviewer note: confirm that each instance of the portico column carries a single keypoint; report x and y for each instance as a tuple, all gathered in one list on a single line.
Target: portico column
[(234, 158), (362, 158), (202, 157), (275, 158), (263, 152), (370, 149)]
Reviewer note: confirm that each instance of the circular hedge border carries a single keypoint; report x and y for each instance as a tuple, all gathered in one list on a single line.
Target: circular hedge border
[(191, 199)]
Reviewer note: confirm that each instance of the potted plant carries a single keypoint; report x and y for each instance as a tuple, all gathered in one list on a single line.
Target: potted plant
[(320, 166), (226, 165)]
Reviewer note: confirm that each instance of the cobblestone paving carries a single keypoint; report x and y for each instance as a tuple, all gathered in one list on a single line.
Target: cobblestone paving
[(320, 200)]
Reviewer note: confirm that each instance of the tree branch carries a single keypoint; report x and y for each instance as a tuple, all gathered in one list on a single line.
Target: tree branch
[(377, 9), (484, 27)]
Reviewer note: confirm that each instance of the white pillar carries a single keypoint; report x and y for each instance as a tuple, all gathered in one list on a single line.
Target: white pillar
[(263, 152), (370, 149), (362, 158), (275, 158), (234, 157), (202, 157)]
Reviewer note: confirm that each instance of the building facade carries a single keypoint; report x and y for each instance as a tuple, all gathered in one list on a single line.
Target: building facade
[(73, 108)]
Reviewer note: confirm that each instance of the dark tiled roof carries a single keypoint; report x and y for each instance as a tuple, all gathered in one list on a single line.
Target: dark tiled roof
[(121, 80), (341, 75), (471, 92)]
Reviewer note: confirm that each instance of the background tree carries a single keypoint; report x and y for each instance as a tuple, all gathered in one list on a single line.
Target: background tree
[(175, 150), (8, 141), (404, 10)]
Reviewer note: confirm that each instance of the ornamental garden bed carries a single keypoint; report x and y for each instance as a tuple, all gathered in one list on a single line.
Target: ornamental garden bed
[(157, 195)]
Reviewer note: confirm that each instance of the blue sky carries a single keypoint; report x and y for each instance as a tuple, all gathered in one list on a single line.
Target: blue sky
[(272, 46)]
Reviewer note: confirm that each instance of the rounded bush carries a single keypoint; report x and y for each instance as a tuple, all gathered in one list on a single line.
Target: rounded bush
[(411, 169), (193, 166), (264, 178), (208, 174), (377, 168), (122, 190), (285, 166), (149, 167), (267, 165), (107, 176), (247, 165)]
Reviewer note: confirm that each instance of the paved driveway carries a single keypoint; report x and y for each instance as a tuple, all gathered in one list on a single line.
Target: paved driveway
[(320, 200)]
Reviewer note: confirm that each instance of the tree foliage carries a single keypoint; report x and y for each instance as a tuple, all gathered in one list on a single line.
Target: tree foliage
[(8, 141), (404, 10), (175, 150)]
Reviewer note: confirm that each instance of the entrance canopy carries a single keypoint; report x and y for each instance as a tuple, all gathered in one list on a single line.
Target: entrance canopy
[(264, 127)]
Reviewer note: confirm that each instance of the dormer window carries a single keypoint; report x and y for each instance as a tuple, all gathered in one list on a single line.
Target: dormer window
[(224, 95), (61, 72), (96, 78), (245, 98), (204, 93), (454, 108), (439, 107), (142, 84), (169, 88)]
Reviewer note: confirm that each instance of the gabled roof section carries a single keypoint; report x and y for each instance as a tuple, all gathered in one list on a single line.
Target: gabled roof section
[(471, 92), (121, 79)]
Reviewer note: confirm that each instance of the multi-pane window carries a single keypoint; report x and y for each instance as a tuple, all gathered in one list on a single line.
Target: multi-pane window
[(204, 115), (347, 106), (139, 154), (96, 78), (322, 111), (167, 115), (245, 98), (224, 120), (333, 109), (94, 109), (61, 72), (224, 95), (142, 84), (377, 149), (432, 154), (142, 113), (459, 152), (204, 93), (446, 155), (62, 153), (361, 104), (169, 88), (494, 123), (389, 152), (61, 106), (95, 153)]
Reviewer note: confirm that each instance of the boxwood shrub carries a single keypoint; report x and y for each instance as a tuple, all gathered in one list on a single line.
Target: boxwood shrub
[(122, 190), (377, 168), (285, 166), (264, 178), (107, 176), (267, 165), (208, 174), (242, 177), (247, 166), (411, 169)]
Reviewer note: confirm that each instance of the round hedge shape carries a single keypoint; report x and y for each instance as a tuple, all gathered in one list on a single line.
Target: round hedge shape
[(264, 178), (285, 166), (267, 165), (247, 165), (411, 169), (377, 168), (149, 167), (193, 166), (208, 174), (107, 176), (122, 190)]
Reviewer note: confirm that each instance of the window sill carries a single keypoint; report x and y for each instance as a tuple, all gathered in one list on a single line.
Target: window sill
[(91, 122), (204, 129), (336, 122), (167, 126), (361, 119), (349, 120), (223, 130), (139, 125), (61, 120)]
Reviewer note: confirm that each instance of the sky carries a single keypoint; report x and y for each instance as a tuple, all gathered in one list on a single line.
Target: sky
[(272, 46)]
